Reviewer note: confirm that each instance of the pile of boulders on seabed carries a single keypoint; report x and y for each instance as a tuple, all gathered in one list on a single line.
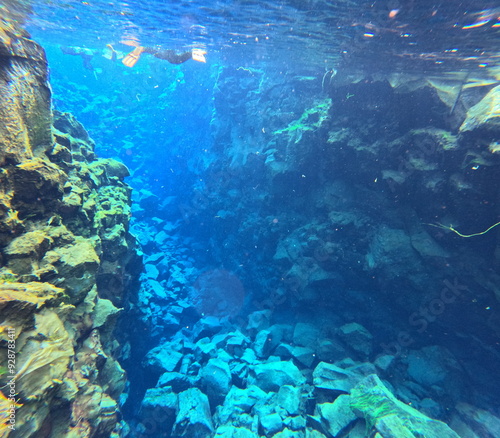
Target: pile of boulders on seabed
[(286, 380)]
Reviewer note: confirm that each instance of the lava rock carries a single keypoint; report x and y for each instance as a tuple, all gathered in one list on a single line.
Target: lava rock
[(392, 418), (228, 431), (357, 337), (289, 400), (271, 424), (158, 410), (271, 376), (336, 416), (215, 379), (331, 377), (305, 334), (162, 358), (193, 417)]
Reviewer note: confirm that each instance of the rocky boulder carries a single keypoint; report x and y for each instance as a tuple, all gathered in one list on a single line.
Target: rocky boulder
[(271, 376), (193, 416), (391, 418)]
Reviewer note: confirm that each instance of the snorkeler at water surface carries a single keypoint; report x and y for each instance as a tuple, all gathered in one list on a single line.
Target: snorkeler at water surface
[(167, 54), (131, 59)]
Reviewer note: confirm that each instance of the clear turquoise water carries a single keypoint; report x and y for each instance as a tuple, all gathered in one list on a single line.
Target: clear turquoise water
[(159, 119), (315, 33)]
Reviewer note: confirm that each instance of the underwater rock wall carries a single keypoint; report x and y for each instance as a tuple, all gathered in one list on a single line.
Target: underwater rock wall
[(25, 114), (261, 114), (359, 183), (335, 212), (67, 260), (299, 292)]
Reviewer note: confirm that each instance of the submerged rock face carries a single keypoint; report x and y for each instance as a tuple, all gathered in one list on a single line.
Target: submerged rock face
[(324, 210), (485, 114), (65, 261), (26, 97), (371, 400)]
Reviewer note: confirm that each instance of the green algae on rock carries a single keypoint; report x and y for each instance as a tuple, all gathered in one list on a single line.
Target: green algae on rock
[(391, 418), (485, 114)]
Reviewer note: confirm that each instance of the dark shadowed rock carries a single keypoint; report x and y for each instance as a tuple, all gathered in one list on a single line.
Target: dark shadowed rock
[(357, 337), (158, 410)]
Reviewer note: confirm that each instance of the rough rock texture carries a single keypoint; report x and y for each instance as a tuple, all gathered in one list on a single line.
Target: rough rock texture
[(26, 97), (336, 416), (65, 261), (193, 415), (323, 196), (485, 114), (324, 201), (371, 400)]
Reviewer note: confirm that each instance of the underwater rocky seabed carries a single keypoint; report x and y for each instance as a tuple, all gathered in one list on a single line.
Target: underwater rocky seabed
[(295, 290)]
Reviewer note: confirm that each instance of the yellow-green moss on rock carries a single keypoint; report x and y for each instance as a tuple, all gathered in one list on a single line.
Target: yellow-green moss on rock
[(64, 254), (485, 114), (391, 418), (20, 301), (25, 112)]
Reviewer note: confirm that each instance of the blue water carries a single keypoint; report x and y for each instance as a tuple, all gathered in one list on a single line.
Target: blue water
[(299, 34), (282, 191)]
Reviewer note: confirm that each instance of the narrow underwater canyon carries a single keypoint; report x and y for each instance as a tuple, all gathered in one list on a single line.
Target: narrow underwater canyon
[(316, 256)]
